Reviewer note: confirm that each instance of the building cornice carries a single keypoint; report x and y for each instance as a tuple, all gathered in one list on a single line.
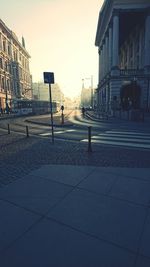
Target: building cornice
[(111, 6), (14, 38)]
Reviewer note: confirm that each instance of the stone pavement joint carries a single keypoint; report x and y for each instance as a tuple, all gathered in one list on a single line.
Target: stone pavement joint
[(86, 216)]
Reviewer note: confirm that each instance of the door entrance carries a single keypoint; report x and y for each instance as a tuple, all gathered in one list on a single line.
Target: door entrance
[(130, 96)]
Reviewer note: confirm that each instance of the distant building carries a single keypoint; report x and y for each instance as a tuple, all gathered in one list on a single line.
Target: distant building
[(123, 41), (41, 92), (15, 77), (86, 97)]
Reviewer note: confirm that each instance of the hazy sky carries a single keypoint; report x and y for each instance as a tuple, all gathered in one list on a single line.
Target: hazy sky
[(59, 36)]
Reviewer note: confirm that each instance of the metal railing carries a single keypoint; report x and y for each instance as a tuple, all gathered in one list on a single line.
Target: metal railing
[(131, 72)]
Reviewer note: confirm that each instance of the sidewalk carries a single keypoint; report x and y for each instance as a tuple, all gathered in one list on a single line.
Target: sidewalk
[(76, 216), (92, 115), (46, 120)]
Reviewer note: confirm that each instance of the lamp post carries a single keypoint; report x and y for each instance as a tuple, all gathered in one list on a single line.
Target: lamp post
[(49, 78), (92, 91)]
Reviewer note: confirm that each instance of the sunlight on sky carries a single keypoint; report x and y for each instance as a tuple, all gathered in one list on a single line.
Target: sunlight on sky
[(59, 36)]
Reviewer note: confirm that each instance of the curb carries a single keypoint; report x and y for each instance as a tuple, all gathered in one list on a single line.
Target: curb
[(49, 124)]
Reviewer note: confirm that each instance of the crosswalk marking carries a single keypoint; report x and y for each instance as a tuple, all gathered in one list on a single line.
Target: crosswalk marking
[(57, 132), (129, 133), (123, 138), (45, 134), (119, 143), (118, 138)]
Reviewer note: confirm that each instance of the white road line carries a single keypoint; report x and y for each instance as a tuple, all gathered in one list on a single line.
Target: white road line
[(129, 133), (71, 130), (118, 138), (121, 138), (119, 143), (58, 132), (125, 135)]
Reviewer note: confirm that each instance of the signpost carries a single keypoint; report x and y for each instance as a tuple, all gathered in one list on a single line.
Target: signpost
[(49, 78), (62, 114)]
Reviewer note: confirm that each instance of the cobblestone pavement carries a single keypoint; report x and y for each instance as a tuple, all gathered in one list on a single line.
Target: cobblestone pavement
[(19, 155)]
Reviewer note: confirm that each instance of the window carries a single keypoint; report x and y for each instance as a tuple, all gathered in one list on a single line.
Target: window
[(3, 83), (9, 51), (4, 45), (6, 66), (131, 50), (1, 63)]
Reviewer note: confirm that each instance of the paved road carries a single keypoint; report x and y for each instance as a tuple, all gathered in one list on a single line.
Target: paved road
[(103, 214), (19, 154), (115, 134)]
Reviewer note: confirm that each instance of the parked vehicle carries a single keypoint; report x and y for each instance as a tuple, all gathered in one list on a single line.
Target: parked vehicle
[(25, 107)]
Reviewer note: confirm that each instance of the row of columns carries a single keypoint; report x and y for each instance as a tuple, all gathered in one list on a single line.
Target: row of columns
[(147, 42), (109, 48)]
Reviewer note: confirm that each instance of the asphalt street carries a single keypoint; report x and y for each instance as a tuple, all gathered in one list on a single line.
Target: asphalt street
[(90, 208), (20, 154)]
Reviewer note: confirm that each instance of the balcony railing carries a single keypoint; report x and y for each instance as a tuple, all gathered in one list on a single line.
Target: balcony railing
[(131, 72)]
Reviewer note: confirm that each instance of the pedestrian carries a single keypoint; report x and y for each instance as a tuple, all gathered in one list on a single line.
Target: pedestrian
[(83, 111)]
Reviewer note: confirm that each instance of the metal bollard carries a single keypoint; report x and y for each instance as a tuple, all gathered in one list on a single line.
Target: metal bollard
[(8, 129), (128, 115), (27, 131), (62, 118), (120, 114), (89, 139)]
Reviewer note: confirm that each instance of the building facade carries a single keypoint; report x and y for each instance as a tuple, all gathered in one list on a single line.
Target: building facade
[(123, 41), (41, 92), (15, 77)]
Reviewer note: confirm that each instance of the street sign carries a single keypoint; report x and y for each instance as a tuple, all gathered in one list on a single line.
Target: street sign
[(48, 77)]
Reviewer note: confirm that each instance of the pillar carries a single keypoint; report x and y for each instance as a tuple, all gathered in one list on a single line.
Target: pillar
[(147, 42), (104, 60), (100, 59), (110, 49), (115, 52), (106, 56)]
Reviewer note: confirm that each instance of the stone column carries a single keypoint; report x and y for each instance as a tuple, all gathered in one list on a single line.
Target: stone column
[(0, 40), (106, 56), (140, 50), (115, 46), (147, 43), (104, 59), (110, 49), (100, 58)]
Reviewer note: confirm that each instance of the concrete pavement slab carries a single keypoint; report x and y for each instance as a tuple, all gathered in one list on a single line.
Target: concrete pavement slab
[(142, 262), (70, 174), (139, 173), (145, 242), (34, 193), (131, 189), (52, 244), (93, 216), (14, 221), (113, 220), (99, 181)]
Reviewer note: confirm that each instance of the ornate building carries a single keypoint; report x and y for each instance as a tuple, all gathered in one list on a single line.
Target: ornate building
[(123, 41), (15, 78)]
